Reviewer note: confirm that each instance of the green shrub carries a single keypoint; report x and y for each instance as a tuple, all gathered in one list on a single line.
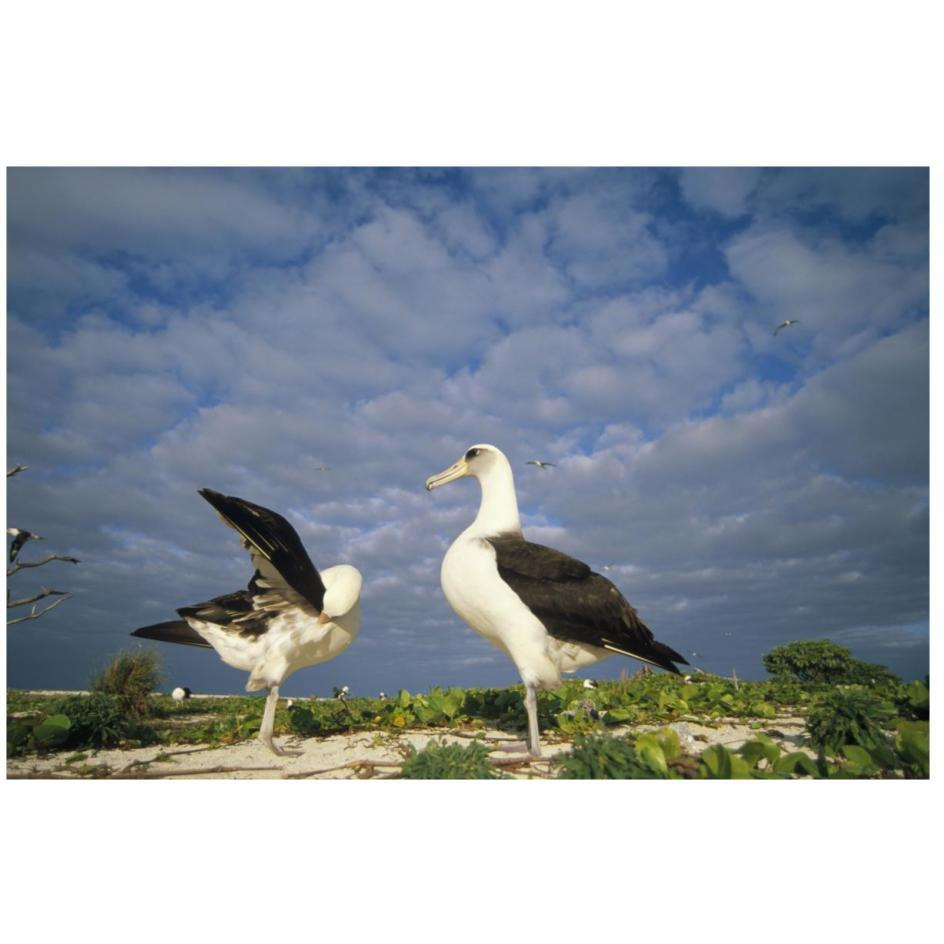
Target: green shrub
[(95, 720), (849, 716), (439, 761), (131, 677), (914, 701), (604, 757), (819, 660)]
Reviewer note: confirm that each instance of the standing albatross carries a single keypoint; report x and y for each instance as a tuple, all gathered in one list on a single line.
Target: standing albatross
[(290, 617), (549, 612)]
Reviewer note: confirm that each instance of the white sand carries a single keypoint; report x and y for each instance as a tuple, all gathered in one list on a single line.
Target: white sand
[(365, 754)]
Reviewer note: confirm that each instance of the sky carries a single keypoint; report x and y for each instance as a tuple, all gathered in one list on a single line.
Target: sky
[(171, 329)]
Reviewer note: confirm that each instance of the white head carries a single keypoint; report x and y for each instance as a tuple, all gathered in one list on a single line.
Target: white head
[(498, 512), (342, 588), (478, 461)]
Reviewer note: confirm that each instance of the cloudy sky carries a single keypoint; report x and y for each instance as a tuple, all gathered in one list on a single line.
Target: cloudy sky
[(173, 329)]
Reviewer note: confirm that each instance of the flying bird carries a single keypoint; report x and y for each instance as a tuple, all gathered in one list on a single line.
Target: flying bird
[(549, 612), (291, 616), (541, 464), (20, 537), (180, 694), (786, 324)]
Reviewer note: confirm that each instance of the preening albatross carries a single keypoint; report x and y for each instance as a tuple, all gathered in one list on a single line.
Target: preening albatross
[(290, 617), (549, 612)]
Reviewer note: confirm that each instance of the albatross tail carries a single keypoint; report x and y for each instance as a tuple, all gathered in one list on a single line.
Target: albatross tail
[(656, 653)]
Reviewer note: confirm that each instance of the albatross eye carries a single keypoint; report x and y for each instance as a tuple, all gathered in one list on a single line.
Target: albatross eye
[(472, 453)]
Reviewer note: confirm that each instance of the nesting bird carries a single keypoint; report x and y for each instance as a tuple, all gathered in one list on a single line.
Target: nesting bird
[(291, 616), (180, 694), (549, 612)]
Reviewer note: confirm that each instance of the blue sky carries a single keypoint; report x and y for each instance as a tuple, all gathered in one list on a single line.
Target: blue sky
[(170, 329)]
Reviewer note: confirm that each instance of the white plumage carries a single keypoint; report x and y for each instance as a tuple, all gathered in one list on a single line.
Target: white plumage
[(548, 612), (291, 616)]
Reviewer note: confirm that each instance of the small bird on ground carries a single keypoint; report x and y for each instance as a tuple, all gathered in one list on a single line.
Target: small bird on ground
[(340, 693), (20, 537), (786, 324), (291, 616), (541, 464), (549, 612), (589, 683), (180, 694)]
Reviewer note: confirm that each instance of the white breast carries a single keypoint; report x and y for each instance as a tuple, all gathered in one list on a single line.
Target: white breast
[(475, 590)]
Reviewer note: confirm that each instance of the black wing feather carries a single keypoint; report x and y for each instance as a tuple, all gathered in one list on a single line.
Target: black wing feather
[(173, 631), (281, 561), (576, 604)]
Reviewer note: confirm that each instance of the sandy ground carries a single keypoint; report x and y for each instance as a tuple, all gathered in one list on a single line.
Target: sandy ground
[(363, 755)]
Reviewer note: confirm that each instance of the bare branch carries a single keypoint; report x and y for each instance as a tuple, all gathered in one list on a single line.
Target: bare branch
[(34, 615), (45, 592), (20, 565), (16, 469)]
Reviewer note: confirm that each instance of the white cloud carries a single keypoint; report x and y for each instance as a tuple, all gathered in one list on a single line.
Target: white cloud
[(723, 189), (385, 332)]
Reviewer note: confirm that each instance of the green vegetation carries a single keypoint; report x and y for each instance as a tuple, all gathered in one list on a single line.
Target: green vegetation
[(439, 761), (819, 660), (131, 677), (876, 730)]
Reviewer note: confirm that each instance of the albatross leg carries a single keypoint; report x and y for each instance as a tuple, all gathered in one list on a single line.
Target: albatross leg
[(268, 724), (531, 707)]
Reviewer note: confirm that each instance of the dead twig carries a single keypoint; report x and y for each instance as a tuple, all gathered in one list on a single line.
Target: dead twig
[(45, 592), (22, 565), (191, 772), (355, 765), (36, 615)]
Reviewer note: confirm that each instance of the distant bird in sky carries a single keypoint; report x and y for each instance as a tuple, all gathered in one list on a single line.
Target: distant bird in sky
[(180, 694), (16, 470), (541, 464), (549, 612), (786, 324), (291, 616), (322, 468), (20, 537)]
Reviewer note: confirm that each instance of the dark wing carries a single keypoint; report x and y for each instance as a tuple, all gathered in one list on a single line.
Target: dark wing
[(242, 613), (576, 604), (172, 631), (281, 562)]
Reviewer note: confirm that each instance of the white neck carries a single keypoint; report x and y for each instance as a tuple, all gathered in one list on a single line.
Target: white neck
[(498, 511)]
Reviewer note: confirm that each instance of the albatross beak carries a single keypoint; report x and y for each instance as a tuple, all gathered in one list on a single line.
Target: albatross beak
[(455, 471)]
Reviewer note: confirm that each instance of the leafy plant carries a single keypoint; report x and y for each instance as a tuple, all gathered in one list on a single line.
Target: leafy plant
[(131, 677), (52, 732), (95, 720), (849, 716), (439, 761), (914, 701), (819, 660), (604, 757), (913, 747)]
